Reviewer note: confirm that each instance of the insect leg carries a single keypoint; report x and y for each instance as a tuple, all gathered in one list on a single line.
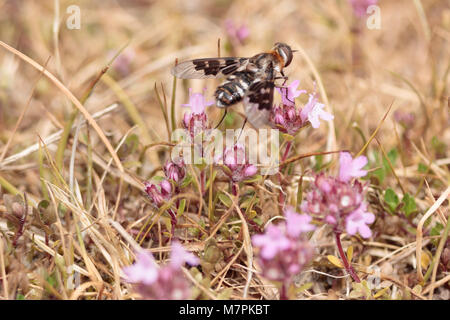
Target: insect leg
[(242, 129), (223, 117)]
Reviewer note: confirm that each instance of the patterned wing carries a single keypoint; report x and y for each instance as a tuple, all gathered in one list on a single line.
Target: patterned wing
[(258, 102), (208, 68)]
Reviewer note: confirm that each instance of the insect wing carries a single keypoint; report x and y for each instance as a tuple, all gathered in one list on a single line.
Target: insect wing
[(258, 102), (208, 68)]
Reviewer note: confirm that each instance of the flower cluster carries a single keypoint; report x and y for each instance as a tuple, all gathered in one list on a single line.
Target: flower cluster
[(340, 201), (360, 6), (196, 121), (160, 193), (289, 119), (236, 35), (284, 249), (175, 170), (238, 165), (161, 283)]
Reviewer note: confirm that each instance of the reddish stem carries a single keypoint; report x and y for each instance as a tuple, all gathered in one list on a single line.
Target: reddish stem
[(283, 292), (286, 152), (347, 265)]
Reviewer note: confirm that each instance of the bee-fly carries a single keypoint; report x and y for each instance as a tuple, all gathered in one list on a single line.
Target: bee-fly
[(249, 79)]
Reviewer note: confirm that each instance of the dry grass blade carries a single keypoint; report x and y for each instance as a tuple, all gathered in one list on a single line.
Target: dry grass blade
[(433, 209), (72, 98)]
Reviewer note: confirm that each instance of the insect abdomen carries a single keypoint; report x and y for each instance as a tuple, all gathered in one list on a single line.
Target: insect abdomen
[(233, 90)]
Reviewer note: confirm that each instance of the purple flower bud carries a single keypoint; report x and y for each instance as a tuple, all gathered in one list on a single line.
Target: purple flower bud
[(175, 170), (234, 159), (158, 194)]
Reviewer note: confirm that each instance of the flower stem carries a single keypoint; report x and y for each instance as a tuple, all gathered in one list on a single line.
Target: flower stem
[(173, 220), (286, 151), (234, 188), (283, 292), (281, 197), (347, 265)]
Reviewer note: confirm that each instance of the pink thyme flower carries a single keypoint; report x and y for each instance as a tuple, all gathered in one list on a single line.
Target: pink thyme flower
[(358, 220), (180, 256), (290, 119), (234, 159), (175, 170), (340, 204), (272, 242), (196, 120), (158, 193), (284, 250), (286, 118), (313, 110), (144, 270), (289, 94), (297, 223), (161, 283), (351, 168), (237, 35), (360, 6), (197, 102)]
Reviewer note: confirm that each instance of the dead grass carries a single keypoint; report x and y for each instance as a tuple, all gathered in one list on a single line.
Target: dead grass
[(69, 122)]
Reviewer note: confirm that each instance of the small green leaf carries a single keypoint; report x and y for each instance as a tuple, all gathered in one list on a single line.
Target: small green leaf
[(181, 207), (318, 162), (225, 200), (410, 204), (187, 181), (393, 155), (422, 168), (391, 199), (304, 287), (436, 231), (287, 137)]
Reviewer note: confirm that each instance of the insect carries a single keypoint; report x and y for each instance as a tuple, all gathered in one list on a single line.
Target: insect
[(249, 79)]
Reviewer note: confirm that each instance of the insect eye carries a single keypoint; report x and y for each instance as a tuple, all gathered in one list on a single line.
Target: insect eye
[(286, 53)]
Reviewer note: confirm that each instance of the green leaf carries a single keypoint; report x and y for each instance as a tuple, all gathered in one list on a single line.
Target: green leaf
[(287, 137), (318, 162), (438, 146), (180, 210), (380, 173), (391, 199), (20, 297), (187, 181), (422, 168), (393, 155), (436, 231), (410, 204), (225, 200)]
